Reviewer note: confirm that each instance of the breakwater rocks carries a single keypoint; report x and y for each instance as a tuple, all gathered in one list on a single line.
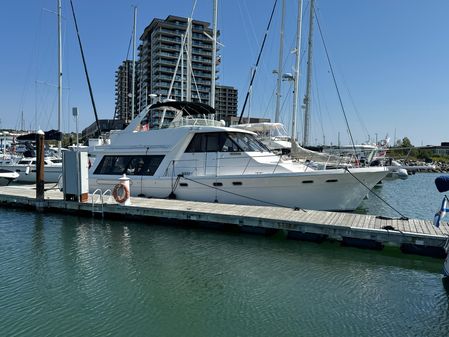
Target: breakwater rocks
[(417, 166), (441, 167)]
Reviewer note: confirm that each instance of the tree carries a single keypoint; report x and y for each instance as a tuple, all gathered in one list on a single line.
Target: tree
[(406, 142)]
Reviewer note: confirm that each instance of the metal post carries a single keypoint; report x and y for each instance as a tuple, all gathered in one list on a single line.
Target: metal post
[(75, 114), (39, 168)]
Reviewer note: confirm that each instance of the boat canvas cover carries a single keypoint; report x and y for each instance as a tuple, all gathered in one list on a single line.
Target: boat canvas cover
[(442, 183), (187, 108)]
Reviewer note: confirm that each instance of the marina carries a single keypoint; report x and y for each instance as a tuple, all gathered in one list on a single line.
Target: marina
[(252, 173), (359, 230)]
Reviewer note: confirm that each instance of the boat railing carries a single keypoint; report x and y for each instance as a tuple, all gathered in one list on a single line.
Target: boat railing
[(219, 165), (190, 121)]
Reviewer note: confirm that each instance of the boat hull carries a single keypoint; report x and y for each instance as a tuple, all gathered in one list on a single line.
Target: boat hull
[(51, 174), (332, 190)]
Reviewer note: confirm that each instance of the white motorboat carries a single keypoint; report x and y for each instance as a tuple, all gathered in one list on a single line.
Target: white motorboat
[(273, 135), (26, 168), (197, 159), (6, 177)]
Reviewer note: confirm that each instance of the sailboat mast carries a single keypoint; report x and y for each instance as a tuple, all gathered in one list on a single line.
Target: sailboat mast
[(182, 67), (59, 72), (296, 75), (133, 83), (279, 71), (307, 98), (189, 61), (214, 54)]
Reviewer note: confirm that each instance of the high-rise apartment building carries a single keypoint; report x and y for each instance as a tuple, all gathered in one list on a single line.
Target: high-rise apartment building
[(225, 102), (159, 57), (123, 91)]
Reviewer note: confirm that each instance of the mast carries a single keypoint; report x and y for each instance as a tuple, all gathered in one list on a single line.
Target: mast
[(307, 98), (133, 83), (214, 54), (296, 74), (182, 67), (281, 57), (59, 72), (189, 61)]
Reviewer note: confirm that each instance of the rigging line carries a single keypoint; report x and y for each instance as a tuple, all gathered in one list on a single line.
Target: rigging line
[(335, 83), (85, 69), (317, 99), (30, 68), (257, 62), (403, 217), (239, 195), (129, 45), (130, 41)]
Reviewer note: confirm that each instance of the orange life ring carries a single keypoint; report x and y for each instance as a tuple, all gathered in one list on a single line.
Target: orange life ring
[(120, 193)]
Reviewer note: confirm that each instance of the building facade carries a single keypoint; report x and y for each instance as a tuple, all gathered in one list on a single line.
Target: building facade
[(123, 91), (226, 102), (159, 59), (159, 54)]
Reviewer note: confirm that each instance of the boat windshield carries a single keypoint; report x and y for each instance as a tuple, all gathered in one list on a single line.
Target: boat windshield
[(225, 142)]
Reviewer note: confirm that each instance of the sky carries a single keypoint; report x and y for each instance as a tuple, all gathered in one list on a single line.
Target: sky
[(390, 59)]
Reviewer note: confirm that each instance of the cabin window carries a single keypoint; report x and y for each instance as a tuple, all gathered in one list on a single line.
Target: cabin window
[(131, 165), (224, 142), (247, 142)]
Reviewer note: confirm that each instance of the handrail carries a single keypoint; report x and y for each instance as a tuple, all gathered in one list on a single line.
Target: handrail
[(99, 192)]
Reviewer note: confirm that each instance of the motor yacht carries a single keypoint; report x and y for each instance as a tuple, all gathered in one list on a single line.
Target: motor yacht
[(197, 158)]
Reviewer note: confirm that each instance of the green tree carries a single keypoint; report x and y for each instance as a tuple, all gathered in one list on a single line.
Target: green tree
[(406, 142)]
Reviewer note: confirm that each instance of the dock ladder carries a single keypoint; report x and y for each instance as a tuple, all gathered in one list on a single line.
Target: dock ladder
[(98, 197)]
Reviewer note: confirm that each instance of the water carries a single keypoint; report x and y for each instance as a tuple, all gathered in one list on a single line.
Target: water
[(415, 197), (69, 276)]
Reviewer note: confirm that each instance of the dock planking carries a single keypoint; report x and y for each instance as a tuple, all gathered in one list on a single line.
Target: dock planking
[(333, 225)]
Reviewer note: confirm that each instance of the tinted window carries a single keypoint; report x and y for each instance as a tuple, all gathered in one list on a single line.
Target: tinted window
[(212, 142), (131, 165)]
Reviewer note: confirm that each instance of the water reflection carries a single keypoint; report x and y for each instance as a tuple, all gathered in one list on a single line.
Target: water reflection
[(124, 278), (445, 281)]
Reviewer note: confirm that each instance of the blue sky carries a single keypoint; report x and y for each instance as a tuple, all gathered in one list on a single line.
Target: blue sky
[(390, 57)]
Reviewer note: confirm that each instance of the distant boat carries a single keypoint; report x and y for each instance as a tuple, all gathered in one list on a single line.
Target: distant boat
[(7, 176), (273, 135), (25, 168)]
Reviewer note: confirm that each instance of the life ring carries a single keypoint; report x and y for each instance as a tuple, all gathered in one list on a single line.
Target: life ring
[(120, 193)]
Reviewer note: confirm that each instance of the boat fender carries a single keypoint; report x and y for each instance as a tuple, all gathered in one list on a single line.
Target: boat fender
[(442, 183), (120, 193)]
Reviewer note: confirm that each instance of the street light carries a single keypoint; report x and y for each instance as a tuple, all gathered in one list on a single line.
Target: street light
[(75, 114)]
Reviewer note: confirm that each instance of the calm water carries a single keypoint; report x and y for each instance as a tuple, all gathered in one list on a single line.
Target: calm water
[(416, 197), (69, 276)]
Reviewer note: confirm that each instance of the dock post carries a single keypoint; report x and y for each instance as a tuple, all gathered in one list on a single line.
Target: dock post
[(40, 170)]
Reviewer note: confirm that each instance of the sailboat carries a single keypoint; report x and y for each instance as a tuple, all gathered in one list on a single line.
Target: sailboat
[(25, 166)]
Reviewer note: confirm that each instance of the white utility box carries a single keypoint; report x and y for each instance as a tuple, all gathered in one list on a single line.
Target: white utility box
[(75, 175)]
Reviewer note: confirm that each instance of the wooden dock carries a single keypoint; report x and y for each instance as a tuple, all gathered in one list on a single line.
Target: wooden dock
[(368, 231)]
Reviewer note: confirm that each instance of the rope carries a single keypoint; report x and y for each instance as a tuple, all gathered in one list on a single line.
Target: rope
[(335, 83), (239, 195), (403, 217)]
